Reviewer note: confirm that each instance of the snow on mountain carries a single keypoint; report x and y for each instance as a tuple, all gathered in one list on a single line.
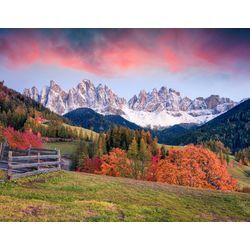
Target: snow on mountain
[(161, 108), (164, 118)]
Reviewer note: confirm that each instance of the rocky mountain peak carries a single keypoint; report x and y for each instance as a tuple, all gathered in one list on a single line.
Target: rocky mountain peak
[(163, 91), (85, 94), (162, 107), (55, 87)]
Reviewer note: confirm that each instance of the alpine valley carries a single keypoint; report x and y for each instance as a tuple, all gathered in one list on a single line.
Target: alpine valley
[(156, 109)]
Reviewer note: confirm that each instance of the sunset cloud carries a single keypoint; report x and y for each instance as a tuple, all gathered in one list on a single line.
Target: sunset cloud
[(112, 51)]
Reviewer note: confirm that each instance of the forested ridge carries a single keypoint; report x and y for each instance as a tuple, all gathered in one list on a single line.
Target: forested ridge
[(16, 108), (232, 128)]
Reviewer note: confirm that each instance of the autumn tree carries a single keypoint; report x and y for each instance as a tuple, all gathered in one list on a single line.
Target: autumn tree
[(90, 165), (133, 156), (195, 166), (144, 156), (163, 152), (116, 164), (152, 170), (1, 133), (22, 140), (243, 156), (155, 147), (101, 145), (81, 154)]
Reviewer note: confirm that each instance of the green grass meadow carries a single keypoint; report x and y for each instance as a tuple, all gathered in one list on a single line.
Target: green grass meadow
[(70, 196)]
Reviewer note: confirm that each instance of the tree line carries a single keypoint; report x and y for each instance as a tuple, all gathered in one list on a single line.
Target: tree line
[(136, 154)]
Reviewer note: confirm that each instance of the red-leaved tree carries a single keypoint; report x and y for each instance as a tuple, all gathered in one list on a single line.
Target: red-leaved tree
[(22, 140), (90, 165), (153, 168)]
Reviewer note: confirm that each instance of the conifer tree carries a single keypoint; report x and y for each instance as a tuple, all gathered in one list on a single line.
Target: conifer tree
[(144, 156), (101, 145), (155, 148), (163, 152), (133, 156), (81, 153), (81, 135), (91, 136)]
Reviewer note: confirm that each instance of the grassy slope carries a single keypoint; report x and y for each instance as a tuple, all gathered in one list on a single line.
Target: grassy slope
[(242, 174), (68, 196), (85, 131), (70, 147), (88, 132), (65, 147)]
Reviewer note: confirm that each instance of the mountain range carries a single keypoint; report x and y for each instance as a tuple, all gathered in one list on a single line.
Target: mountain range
[(158, 108), (231, 127)]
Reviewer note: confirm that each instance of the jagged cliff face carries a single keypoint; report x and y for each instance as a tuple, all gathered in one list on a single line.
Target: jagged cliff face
[(170, 100), (85, 94), (156, 108)]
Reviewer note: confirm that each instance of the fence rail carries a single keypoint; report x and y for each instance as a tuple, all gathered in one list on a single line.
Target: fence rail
[(21, 163)]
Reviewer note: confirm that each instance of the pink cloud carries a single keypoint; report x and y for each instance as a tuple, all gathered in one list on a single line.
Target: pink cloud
[(173, 50)]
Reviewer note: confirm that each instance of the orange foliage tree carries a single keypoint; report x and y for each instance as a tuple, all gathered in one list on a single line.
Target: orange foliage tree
[(22, 140), (116, 164), (194, 166)]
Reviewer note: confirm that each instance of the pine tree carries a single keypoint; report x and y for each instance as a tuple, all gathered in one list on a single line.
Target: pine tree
[(133, 156), (144, 156), (133, 149), (81, 135), (81, 154), (101, 145), (155, 148), (163, 152), (91, 136)]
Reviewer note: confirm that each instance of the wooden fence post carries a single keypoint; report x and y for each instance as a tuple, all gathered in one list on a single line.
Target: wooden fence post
[(59, 158), (1, 147), (9, 172), (38, 160)]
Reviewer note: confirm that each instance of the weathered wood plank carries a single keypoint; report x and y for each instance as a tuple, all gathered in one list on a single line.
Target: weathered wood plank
[(30, 165), (43, 149), (33, 149), (35, 172), (34, 157)]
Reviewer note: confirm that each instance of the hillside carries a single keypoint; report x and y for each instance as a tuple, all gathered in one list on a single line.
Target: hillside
[(232, 128), (88, 118), (15, 108), (69, 196), (168, 134)]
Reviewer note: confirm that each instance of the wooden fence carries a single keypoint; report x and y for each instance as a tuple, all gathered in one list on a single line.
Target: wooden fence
[(21, 163)]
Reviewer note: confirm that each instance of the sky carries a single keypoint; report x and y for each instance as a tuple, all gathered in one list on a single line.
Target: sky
[(196, 62)]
